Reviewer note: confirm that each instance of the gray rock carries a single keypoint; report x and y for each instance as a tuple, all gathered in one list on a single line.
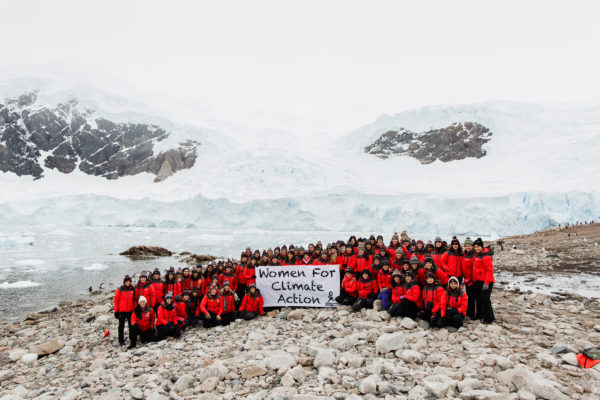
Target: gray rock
[(408, 323), (411, 356), (48, 347), (136, 393), (252, 371), (570, 358), (16, 354), (210, 384), (325, 358), (280, 361), (390, 342), (368, 385), (184, 382), (29, 358), (481, 395), (6, 375), (559, 349)]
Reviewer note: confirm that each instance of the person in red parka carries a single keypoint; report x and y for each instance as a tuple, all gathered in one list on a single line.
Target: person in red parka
[(228, 276), (349, 289), (212, 308), (158, 287), (430, 266), (306, 259), (166, 319), (181, 305), (452, 259), (483, 281), (249, 273), (453, 305), (397, 288), (439, 249), (420, 251), (467, 273), (228, 298), (431, 294), (142, 323), (394, 246), (367, 291), (361, 262), (384, 284), (252, 304), (194, 307), (344, 259), (171, 283), (408, 306), (144, 288), (197, 281), (124, 303), (398, 260), (186, 279)]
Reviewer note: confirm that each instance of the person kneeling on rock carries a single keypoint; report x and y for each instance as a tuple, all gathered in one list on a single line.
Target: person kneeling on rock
[(166, 321), (367, 291), (453, 305), (349, 289), (407, 304), (252, 305), (431, 294), (212, 308), (142, 323)]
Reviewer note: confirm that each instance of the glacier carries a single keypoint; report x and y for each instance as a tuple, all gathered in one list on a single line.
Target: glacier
[(419, 214)]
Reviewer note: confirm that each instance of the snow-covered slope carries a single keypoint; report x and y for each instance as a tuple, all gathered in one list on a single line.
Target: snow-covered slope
[(538, 170)]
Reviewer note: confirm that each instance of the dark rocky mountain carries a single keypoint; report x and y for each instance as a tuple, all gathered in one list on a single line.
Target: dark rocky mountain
[(455, 142), (65, 137)]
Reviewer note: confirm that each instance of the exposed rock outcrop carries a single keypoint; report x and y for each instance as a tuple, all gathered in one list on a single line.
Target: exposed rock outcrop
[(455, 142), (66, 137), (147, 251)]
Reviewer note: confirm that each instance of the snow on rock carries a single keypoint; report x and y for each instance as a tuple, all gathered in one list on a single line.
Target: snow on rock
[(18, 285)]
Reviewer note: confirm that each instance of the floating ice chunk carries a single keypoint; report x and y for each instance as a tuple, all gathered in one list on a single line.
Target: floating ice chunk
[(31, 263), (96, 267), (18, 285)]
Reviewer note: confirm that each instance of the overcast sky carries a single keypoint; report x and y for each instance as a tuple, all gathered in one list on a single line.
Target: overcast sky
[(342, 63)]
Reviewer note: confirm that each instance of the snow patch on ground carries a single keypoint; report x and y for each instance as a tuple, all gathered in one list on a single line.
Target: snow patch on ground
[(18, 285), (96, 267)]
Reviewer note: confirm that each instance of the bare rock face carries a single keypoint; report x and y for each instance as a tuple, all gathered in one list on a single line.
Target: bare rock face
[(455, 142), (66, 137)]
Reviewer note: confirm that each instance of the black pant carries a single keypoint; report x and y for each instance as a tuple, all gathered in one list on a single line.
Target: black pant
[(247, 315), (240, 291), (483, 307), (426, 315), (361, 303), (162, 331), (145, 336), (472, 296), (345, 299), (210, 321), (227, 318), (451, 319), (124, 316), (405, 308)]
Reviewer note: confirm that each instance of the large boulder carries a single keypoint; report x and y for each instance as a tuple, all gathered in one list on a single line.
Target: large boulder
[(48, 347), (388, 342), (522, 377)]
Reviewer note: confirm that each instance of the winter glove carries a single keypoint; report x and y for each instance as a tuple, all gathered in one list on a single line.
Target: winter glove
[(117, 314), (485, 286)]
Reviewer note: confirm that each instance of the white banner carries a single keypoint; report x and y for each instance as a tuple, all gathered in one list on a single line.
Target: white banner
[(299, 285)]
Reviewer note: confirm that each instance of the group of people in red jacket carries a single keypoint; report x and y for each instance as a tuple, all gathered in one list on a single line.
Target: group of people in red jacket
[(435, 282)]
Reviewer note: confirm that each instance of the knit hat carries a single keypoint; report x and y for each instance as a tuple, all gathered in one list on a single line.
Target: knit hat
[(429, 275), (429, 244), (349, 270), (454, 241), (361, 247), (169, 295), (478, 242), (171, 270), (185, 293), (455, 279), (195, 289), (420, 241), (398, 251), (414, 260), (427, 260), (395, 236), (409, 273), (214, 276), (396, 273), (126, 278), (142, 298), (438, 239), (252, 285), (468, 241), (178, 271), (156, 271), (226, 283)]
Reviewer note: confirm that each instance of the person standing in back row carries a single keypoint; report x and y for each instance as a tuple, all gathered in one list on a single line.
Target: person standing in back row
[(483, 277), (124, 303)]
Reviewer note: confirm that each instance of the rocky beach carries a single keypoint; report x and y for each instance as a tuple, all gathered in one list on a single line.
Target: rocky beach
[(305, 354)]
